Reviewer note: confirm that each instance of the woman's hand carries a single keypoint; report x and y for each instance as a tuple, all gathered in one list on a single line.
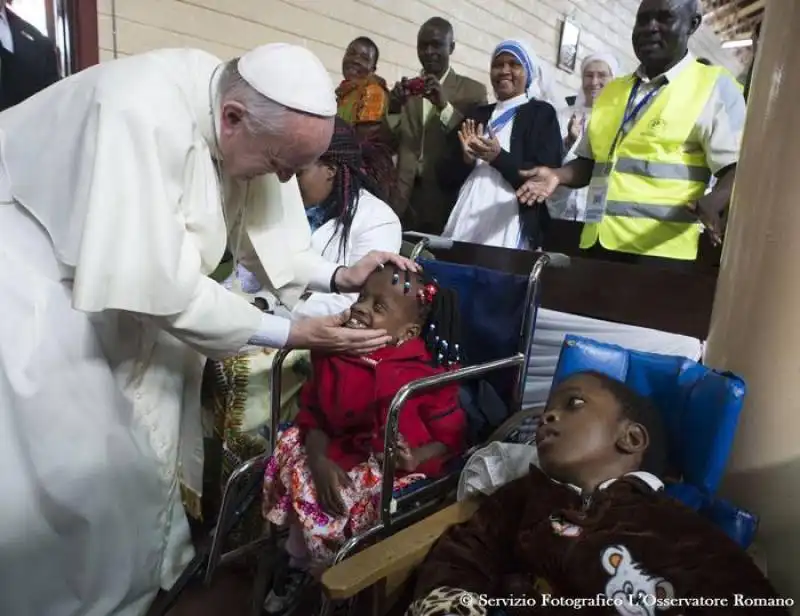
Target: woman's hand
[(487, 148), (329, 335), (574, 130), (541, 183), (467, 136), (329, 479), (350, 279)]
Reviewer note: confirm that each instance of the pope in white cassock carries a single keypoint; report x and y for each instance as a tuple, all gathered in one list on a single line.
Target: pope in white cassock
[(120, 188)]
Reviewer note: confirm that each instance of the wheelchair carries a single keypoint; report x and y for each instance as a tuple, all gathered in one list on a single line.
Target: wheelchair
[(700, 407), (499, 313)]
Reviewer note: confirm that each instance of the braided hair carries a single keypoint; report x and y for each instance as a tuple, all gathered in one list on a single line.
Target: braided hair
[(356, 168), (439, 312), (345, 155)]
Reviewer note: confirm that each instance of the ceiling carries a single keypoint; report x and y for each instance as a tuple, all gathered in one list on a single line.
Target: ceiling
[(734, 20)]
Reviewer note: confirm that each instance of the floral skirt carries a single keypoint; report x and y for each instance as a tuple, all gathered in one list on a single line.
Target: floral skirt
[(291, 497)]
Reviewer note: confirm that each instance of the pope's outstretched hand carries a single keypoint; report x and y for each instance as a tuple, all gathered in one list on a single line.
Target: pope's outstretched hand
[(328, 334)]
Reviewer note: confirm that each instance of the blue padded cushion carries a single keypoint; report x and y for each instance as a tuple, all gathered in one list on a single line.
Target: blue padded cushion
[(738, 524), (700, 406), (688, 494), (492, 306)]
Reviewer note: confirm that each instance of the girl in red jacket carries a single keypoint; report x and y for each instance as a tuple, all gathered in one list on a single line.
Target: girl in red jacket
[(324, 478)]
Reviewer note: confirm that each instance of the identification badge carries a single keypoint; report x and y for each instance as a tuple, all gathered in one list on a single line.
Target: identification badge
[(596, 196)]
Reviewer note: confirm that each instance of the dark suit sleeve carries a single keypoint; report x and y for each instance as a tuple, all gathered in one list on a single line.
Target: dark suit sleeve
[(542, 147), (474, 96), (50, 72)]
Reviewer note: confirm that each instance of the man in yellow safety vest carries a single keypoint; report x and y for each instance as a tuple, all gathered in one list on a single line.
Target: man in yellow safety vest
[(654, 141)]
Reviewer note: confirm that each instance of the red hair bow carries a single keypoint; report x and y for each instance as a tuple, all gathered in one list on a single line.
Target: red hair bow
[(427, 293)]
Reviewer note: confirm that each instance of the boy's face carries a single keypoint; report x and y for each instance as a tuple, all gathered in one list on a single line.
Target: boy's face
[(384, 305), (583, 431)]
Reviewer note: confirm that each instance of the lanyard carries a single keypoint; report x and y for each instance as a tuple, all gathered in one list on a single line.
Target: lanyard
[(631, 111)]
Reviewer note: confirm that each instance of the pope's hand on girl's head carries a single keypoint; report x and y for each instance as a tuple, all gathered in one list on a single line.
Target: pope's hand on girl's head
[(327, 334), (350, 279)]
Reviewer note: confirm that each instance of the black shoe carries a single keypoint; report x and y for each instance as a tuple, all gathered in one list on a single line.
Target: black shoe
[(287, 591)]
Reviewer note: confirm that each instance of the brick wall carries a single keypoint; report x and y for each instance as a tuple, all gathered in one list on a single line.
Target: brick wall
[(229, 27)]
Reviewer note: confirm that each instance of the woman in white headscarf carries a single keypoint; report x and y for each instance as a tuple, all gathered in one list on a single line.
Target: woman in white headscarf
[(491, 147), (597, 70)]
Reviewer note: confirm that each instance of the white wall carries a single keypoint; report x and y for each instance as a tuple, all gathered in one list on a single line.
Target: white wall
[(229, 27)]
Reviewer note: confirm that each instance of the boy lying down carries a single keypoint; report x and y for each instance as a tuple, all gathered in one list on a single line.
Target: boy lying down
[(593, 523)]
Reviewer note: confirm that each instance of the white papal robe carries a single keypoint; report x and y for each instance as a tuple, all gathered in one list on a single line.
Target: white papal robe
[(110, 220)]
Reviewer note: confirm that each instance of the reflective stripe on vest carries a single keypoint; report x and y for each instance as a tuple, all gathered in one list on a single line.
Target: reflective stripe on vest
[(663, 171), (664, 213), (656, 170)]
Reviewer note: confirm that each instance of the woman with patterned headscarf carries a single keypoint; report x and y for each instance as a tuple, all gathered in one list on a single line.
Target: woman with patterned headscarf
[(362, 99), (493, 145), (344, 193), (362, 96), (597, 70)]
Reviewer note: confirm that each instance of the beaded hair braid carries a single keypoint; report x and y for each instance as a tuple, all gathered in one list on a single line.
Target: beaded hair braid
[(439, 310), (358, 165)]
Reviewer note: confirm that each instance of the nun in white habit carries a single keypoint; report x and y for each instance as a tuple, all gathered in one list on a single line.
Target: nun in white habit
[(120, 188), (597, 70), (497, 141)]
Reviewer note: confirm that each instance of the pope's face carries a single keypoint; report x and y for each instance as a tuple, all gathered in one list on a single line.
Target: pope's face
[(246, 155)]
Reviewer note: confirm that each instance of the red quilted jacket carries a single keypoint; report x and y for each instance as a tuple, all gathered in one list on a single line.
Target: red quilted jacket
[(349, 397)]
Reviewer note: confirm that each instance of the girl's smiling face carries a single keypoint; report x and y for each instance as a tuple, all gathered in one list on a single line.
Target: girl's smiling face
[(389, 305)]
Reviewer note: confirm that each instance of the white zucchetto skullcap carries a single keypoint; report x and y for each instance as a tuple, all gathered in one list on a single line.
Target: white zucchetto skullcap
[(290, 75)]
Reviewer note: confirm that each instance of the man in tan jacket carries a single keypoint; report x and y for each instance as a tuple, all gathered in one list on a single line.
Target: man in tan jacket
[(422, 121)]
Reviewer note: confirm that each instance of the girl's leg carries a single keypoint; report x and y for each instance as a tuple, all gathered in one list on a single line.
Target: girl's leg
[(299, 556), (293, 576)]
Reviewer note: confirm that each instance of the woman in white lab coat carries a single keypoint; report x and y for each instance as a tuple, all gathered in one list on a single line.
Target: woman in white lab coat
[(346, 216)]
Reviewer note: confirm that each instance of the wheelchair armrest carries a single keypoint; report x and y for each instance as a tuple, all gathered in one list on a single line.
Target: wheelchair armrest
[(398, 554), (436, 242), (411, 389), (438, 380)]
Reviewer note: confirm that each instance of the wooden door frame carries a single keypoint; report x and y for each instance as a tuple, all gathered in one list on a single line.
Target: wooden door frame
[(83, 20), (73, 23)]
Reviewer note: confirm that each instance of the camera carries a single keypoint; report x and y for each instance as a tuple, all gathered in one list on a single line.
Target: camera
[(415, 86)]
